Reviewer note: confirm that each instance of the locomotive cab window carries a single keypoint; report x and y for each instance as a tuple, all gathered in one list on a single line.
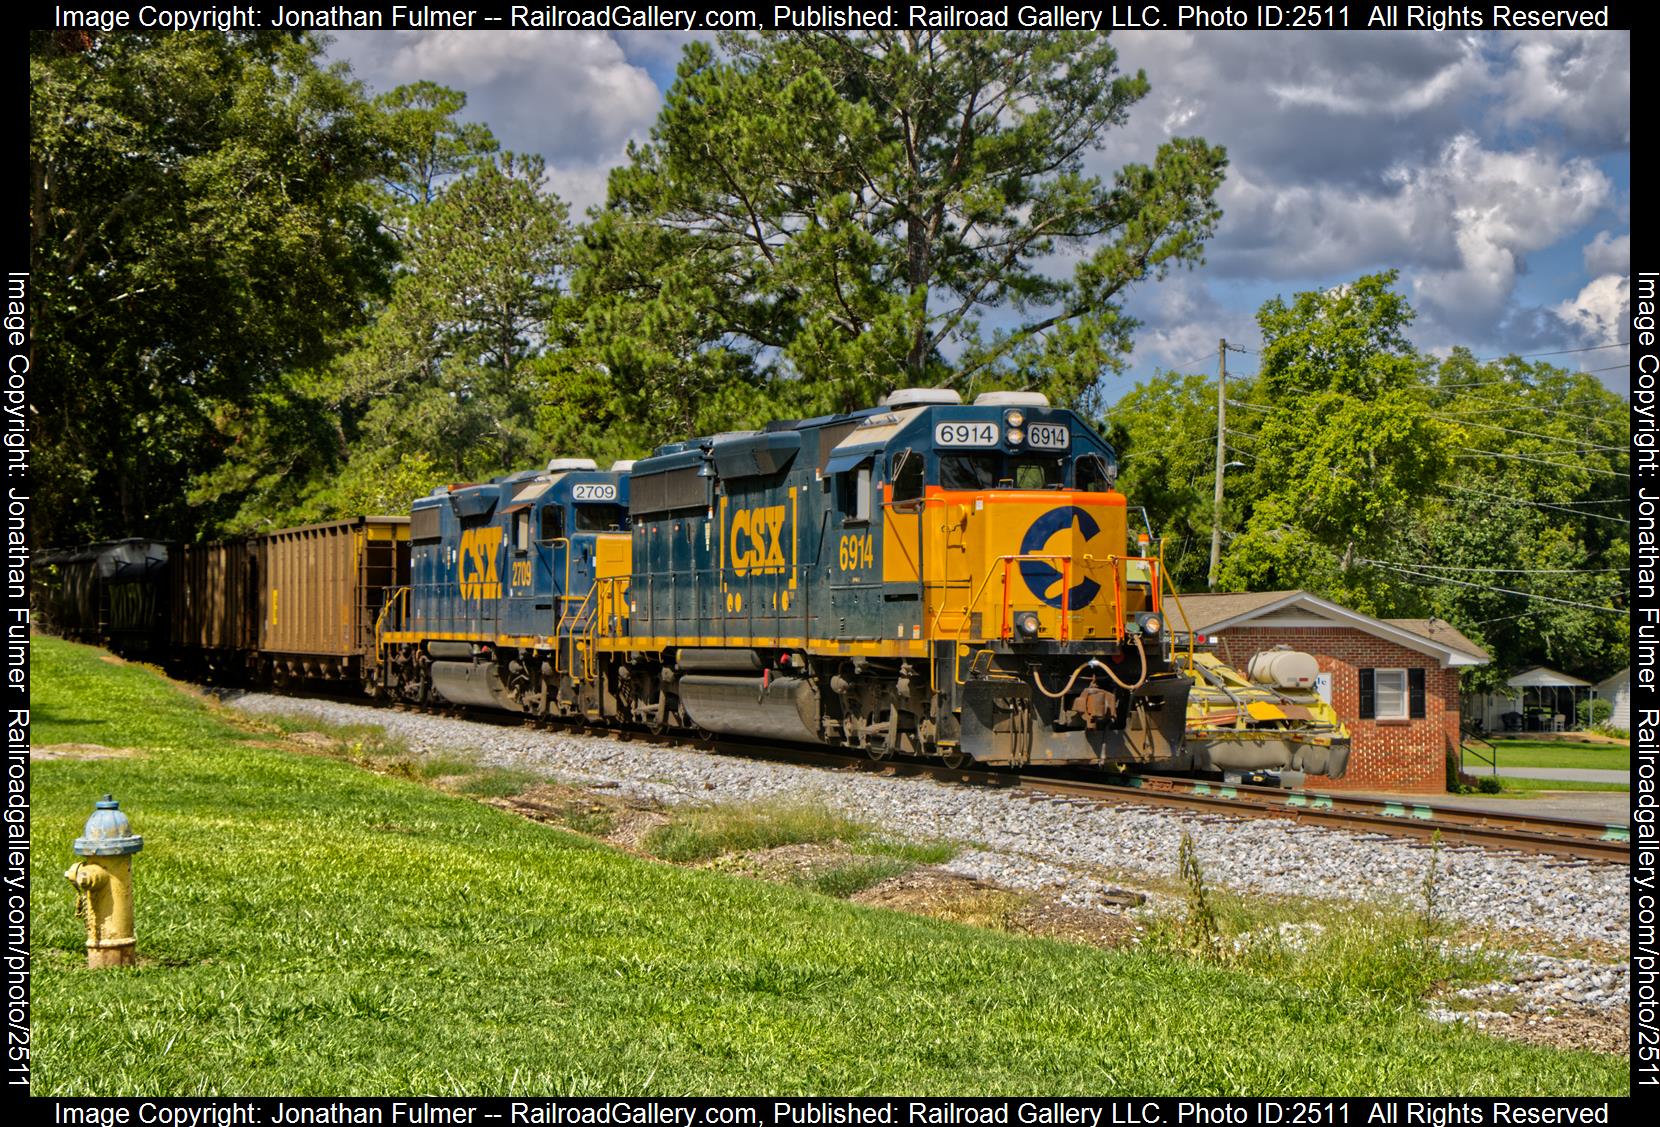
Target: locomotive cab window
[(553, 524), (968, 471), (907, 476), (599, 518), (1092, 474), (1037, 473), (853, 493)]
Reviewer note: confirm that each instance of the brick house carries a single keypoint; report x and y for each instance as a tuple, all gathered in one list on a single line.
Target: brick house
[(1394, 682)]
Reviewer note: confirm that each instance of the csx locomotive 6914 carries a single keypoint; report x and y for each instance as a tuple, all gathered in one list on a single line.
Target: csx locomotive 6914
[(924, 577)]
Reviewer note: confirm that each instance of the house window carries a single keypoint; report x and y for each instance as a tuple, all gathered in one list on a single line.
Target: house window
[(1392, 694), (1390, 687)]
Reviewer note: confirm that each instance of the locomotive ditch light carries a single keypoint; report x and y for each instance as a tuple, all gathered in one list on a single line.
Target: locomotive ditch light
[(1015, 418), (1027, 624), (1150, 624)]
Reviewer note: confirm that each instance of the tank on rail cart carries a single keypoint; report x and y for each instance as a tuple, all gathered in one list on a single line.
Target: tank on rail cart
[(115, 592), (502, 591), (1269, 718), (926, 577)]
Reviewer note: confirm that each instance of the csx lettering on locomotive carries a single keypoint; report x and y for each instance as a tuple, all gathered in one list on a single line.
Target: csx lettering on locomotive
[(476, 564), (757, 541)]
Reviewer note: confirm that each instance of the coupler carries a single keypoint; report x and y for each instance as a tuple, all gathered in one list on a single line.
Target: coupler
[(103, 881)]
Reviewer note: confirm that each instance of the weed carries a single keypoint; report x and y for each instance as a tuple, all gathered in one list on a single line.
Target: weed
[(594, 821), (499, 782), (916, 852), (1199, 931), (699, 835), (445, 764), (854, 877), (1431, 915)]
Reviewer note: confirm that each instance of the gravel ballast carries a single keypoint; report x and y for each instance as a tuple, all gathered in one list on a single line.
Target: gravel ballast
[(1080, 852)]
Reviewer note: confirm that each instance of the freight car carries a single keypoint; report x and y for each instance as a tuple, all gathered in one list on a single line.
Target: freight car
[(115, 592)]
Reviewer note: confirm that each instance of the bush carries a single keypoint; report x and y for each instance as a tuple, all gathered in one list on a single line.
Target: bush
[(1489, 784), (1594, 711)]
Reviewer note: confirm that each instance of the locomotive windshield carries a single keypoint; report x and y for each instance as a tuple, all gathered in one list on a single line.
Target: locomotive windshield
[(599, 518), (992, 470)]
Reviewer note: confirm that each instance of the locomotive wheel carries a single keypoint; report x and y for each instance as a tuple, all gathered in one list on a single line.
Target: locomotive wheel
[(953, 757), (877, 752)]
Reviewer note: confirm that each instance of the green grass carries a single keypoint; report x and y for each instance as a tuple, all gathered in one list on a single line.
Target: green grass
[(855, 876), (499, 782), (1530, 788), (307, 926), (1546, 753)]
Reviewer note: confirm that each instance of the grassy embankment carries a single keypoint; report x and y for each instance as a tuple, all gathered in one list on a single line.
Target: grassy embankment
[(1553, 754), (307, 926)]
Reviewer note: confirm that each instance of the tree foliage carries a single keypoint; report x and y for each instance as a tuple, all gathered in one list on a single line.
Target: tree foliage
[(1488, 494), (198, 227), (831, 215)]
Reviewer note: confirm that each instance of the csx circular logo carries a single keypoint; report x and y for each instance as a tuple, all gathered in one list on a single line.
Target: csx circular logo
[(1043, 577)]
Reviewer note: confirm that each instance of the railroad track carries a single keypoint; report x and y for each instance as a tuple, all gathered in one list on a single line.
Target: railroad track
[(1405, 818)]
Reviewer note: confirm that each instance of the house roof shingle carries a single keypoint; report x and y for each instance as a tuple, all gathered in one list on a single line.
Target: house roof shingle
[(1219, 611)]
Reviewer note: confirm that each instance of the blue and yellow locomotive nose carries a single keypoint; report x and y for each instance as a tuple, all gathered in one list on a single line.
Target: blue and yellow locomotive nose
[(1049, 564)]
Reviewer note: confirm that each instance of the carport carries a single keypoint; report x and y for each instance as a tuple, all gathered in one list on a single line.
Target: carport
[(1546, 701)]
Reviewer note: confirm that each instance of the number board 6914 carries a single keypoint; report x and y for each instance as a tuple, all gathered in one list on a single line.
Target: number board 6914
[(1048, 436), (966, 434)]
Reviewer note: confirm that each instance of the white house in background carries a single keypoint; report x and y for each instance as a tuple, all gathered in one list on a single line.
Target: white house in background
[(1617, 691), (1542, 700)]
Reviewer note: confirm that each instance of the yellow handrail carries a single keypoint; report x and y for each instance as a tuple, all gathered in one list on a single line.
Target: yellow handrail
[(398, 593)]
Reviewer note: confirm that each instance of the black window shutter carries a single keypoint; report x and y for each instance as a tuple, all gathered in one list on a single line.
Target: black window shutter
[(1415, 697), (1368, 696)]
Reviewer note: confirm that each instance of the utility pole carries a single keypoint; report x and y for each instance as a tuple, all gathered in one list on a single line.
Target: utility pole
[(1221, 447)]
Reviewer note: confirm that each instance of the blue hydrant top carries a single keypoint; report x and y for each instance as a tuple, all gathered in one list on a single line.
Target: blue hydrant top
[(107, 832)]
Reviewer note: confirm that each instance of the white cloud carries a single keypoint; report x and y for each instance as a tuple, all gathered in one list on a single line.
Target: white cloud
[(1607, 254), (1580, 81), (573, 97), (1600, 312), (1502, 206)]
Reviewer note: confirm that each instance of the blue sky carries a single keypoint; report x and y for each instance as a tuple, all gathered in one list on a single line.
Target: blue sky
[(1492, 170)]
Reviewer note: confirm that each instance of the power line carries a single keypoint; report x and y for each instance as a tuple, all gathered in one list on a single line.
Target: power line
[(1528, 433), (1515, 500), (1563, 352), (1526, 570), (1543, 461), (1485, 587)]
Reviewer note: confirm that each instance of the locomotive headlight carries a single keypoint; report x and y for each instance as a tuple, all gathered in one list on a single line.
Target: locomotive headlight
[(1026, 624), (1151, 624), (1015, 418), (1015, 435)]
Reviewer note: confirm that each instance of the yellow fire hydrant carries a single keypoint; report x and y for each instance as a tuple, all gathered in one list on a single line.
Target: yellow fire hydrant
[(103, 881)]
